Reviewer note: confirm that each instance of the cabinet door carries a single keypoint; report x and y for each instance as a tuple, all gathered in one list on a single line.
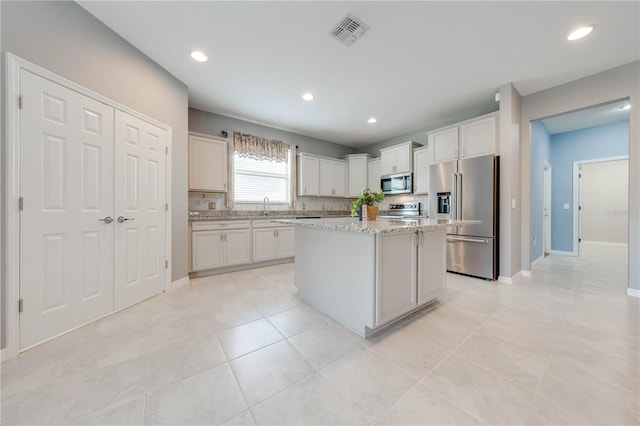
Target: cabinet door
[(432, 262), (478, 137), (396, 292), (264, 244), (357, 176), (444, 144), (285, 240), (421, 163), (236, 248), (207, 164), (388, 162), (326, 178), (373, 175), (339, 179), (308, 176), (206, 250), (403, 158)]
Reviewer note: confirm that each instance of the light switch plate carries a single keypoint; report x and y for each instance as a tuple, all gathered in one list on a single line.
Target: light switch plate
[(513, 203), (565, 206)]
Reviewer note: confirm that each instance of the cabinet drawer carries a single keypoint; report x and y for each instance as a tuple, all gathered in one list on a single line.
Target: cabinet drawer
[(214, 225), (265, 223)]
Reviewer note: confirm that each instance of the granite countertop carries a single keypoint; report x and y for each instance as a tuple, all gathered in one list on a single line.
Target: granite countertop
[(259, 215), (380, 226)]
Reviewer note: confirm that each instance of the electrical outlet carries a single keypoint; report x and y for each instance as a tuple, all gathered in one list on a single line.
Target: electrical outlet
[(534, 241), (304, 206), (212, 205)]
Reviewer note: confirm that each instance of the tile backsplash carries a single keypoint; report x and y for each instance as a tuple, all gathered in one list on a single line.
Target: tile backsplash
[(201, 202)]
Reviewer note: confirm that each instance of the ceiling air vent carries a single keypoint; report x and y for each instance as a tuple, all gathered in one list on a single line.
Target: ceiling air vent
[(348, 30)]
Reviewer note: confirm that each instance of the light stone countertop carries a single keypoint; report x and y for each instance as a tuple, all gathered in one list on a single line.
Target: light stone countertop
[(380, 226)]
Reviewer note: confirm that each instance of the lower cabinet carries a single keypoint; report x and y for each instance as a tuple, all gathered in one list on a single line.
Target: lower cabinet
[(218, 244), (272, 242), (411, 272)]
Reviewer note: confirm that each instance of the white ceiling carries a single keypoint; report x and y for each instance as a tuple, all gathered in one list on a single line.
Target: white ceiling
[(422, 63), (596, 116)]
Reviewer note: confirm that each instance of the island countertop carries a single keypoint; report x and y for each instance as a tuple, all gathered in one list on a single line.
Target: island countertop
[(379, 226)]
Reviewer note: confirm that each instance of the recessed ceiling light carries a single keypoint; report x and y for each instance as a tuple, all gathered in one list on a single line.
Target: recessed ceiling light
[(307, 97), (197, 55), (371, 120), (581, 32)]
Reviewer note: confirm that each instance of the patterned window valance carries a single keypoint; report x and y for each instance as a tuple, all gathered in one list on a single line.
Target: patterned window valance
[(259, 148)]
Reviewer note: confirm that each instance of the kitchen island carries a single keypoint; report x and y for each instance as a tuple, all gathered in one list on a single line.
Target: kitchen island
[(367, 275)]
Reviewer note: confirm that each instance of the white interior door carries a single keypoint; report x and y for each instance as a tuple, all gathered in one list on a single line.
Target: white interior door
[(546, 211), (140, 156), (66, 251)]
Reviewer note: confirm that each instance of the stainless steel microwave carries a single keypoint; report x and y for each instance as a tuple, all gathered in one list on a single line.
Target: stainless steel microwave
[(401, 183)]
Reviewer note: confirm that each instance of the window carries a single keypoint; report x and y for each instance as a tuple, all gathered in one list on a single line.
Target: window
[(255, 179)]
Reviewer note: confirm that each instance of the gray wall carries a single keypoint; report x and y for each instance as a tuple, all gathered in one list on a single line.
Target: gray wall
[(213, 124), (65, 39), (618, 83)]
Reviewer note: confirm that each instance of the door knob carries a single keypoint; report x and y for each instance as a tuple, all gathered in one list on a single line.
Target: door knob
[(106, 220), (122, 219)]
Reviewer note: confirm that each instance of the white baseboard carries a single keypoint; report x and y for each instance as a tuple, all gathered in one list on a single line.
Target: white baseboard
[(510, 280), (563, 253), (526, 273), (180, 282), (605, 243), (633, 292)]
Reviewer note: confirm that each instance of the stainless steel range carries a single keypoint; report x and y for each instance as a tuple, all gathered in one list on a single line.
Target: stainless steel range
[(404, 211)]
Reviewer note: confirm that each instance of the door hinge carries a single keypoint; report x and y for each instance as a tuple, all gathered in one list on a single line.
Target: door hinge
[(579, 240), (20, 101), (20, 305), (579, 175), (166, 150), (166, 264), (20, 203), (579, 207), (166, 207)]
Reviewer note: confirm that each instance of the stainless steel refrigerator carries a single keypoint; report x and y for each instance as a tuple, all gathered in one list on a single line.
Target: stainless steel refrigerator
[(467, 190)]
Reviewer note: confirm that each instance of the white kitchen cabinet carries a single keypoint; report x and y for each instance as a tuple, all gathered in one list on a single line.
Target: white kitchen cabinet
[(216, 244), (444, 144), (271, 241), (333, 175), (357, 167), (397, 158), (478, 137), (422, 159), (468, 139), (207, 163), (411, 272), (432, 263), (396, 292), (373, 174), (308, 175)]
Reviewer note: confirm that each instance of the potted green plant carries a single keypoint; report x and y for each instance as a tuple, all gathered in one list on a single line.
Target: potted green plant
[(367, 200)]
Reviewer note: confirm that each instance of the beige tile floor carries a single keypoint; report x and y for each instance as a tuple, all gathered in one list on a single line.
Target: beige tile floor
[(561, 347)]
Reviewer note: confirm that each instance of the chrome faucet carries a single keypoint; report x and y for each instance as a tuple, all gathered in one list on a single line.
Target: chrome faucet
[(264, 205)]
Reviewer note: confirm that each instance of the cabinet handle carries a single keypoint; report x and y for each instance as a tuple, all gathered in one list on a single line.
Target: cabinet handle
[(221, 237), (274, 233), (277, 233)]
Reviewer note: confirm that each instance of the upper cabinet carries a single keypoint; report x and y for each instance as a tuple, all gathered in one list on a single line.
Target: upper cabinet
[(397, 158), (444, 144), (422, 160), (321, 176), (207, 163), (479, 137), (308, 175), (357, 165), (373, 174), (471, 138), (333, 175)]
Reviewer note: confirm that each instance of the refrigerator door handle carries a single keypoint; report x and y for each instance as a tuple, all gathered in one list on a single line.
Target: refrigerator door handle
[(459, 197), (454, 196), (468, 240)]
